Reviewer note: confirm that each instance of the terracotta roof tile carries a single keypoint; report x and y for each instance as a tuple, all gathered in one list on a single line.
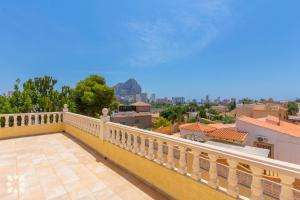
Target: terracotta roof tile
[(197, 127), (273, 123), (228, 134)]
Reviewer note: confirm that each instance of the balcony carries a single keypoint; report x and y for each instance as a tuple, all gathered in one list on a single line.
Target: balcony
[(96, 159)]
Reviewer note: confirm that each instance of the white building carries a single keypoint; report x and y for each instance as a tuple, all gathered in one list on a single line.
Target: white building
[(280, 137)]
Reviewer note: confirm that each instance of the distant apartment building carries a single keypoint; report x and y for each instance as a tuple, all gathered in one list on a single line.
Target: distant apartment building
[(259, 110), (280, 137), (136, 114), (163, 101), (152, 98), (180, 100), (144, 97)]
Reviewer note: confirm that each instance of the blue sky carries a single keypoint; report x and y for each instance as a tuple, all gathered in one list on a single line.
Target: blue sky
[(227, 48)]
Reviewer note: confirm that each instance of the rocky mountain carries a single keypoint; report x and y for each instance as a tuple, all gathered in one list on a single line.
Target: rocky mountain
[(130, 87)]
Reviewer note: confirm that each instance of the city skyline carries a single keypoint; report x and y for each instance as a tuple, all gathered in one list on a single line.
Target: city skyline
[(216, 48)]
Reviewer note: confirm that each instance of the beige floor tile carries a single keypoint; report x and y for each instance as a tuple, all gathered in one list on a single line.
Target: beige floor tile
[(55, 167)]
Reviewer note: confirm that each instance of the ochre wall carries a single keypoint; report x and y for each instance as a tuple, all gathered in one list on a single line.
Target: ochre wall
[(19, 131), (169, 181)]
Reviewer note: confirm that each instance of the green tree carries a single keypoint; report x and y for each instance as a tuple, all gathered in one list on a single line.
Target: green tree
[(161, 122), (231, 106), (247, 101), (228, 119), (212, 111), (92, 95), (5, 106), (293, 108), (202, 112), (174, 113)]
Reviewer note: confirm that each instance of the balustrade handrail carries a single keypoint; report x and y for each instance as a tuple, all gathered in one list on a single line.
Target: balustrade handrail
[(262, 162), (83, 116), (31, 113)]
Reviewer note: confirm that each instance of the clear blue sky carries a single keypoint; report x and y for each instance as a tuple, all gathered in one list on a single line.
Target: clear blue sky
[(190, 48)]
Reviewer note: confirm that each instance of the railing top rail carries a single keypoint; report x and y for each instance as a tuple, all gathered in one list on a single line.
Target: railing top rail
[(82, 116), (32, 113), (276, 165)]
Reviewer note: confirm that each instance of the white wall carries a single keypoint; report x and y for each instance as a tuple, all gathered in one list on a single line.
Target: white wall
[(286, 147)]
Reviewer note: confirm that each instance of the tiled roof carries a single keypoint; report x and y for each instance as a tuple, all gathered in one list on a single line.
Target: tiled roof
[(140, 103), (216, 133), (218, 126), (273, 123), (197, 127), (228, 134)]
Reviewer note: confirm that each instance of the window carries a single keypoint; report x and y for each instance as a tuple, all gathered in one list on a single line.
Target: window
[(136, 121)]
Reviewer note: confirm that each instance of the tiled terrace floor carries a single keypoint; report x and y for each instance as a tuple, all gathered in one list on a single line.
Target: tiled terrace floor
[(55, 166)]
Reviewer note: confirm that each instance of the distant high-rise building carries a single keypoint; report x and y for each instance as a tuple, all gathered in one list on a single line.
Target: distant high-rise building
[(144, 97), (180, 100), (152, 98), (207, 99)]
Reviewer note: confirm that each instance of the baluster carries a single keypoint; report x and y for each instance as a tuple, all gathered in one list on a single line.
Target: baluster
[(123, 139), (182, 161), (286, 187), (128, 146), (119, 134), (22, 119), (143, 146), (160, 156), (114, 137), (29, 119), (256, 185), (6, 121), (42, 119), (58, 118), (36, 119), (150, 154), (109, 135), (135, 144), (15, 121), (196, 174), (213, 176), (170, 159), (232, 188)]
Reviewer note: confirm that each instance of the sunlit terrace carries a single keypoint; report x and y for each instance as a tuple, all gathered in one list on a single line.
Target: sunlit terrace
[(70, 156)]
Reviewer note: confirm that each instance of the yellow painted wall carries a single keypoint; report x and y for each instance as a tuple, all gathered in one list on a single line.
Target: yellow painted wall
[(169, 181), (30, 130)]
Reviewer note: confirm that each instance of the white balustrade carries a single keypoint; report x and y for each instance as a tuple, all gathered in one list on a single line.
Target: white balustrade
[(213, 176), (256, 185), (182, 160), (196, 174), (27, 119), (142, 146), (286, 187), (232, 188), (160, 156), (150, 154), (135, 148), (141, 142), (170, 158)]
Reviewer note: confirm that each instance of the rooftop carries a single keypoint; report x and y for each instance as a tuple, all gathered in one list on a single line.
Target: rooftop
[(56, 166), (197, 127), (140, 103), (228, 134), (273, 123), (222, 132)]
